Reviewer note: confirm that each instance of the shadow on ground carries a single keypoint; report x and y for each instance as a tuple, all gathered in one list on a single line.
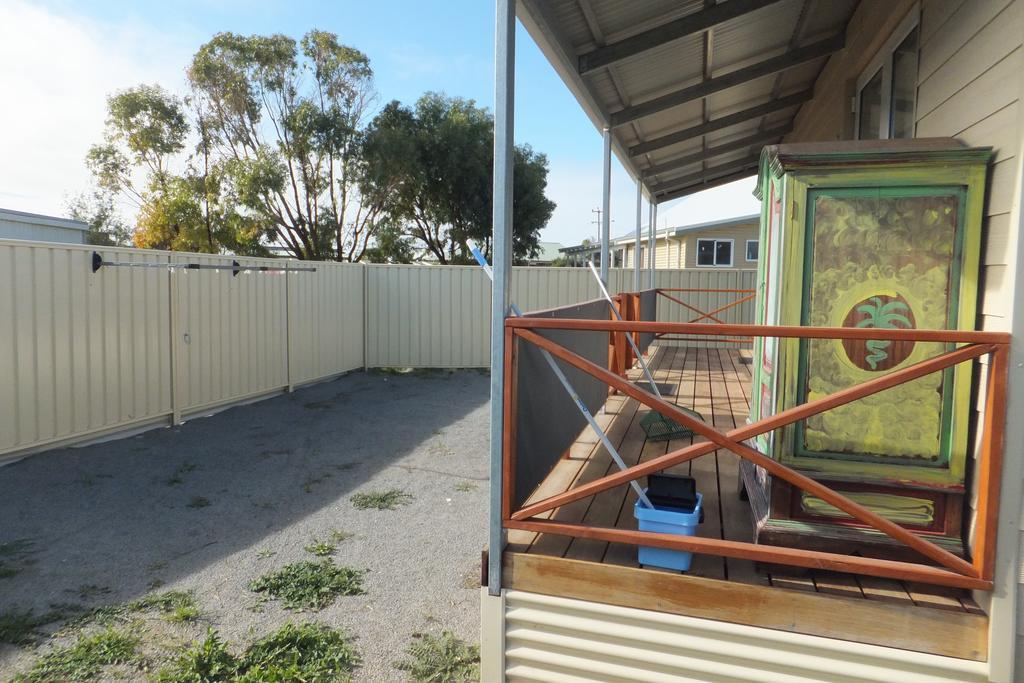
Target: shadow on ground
[(210, 505)]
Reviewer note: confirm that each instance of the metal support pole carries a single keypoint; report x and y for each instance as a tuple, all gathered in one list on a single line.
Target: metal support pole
[(501, 214), (606, 201), (652, 241), (636, 241)]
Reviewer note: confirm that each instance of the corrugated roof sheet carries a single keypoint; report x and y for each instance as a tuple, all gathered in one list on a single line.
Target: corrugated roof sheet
[(767, 29)]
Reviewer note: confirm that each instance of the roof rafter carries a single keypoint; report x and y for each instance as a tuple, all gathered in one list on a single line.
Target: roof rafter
[(710, 173), (701, 90), (704, 184), (668, 32), (722, 122), (748, 141)]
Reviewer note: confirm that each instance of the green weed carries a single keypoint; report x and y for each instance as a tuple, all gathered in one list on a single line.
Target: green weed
[(380, 500), (198, 502), (83, 660), (465, 487), (264, 553), (303, 652), (321, 548), (441, 659), (310, 585)]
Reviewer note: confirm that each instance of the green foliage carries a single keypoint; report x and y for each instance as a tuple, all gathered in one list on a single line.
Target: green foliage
[(106, 227), (311, 653), (441, 659), (83, 660), (321, 548), (303, 652), (208, 661), (380, 500), (310, 585), (434, 162), (174, 606)]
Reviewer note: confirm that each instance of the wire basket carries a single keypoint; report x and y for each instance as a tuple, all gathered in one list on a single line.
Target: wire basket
[(657, 427)]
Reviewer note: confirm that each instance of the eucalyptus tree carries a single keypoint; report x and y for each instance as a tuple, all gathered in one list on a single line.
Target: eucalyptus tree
[(284, 120)]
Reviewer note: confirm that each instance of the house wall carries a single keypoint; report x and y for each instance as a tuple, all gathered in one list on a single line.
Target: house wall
[(680, 251), (548, 638), (25, 230), (969, 87), (739, 234)]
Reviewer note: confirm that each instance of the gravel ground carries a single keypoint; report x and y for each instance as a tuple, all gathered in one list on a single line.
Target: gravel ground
[(277, 474)]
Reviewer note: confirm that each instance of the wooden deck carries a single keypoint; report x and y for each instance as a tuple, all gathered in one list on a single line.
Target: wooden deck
[(716, 383)]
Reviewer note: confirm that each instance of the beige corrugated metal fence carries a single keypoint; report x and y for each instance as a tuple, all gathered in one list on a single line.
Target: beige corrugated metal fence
[(88, 354), (91, 354)]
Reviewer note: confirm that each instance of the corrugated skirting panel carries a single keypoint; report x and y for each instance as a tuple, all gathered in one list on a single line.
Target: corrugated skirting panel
[(551, 639)]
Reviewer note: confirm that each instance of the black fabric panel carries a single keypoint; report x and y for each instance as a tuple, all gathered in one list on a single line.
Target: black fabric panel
[(548, 421), (649, 313)]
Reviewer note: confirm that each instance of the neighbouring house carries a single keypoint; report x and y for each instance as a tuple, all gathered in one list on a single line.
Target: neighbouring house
[(726, 243), (20, 225), (547, 254), (888, 140)]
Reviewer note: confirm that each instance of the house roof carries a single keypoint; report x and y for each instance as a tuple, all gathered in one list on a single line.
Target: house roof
[(693, 227), (39, 219), (691, 89), (548, 251)]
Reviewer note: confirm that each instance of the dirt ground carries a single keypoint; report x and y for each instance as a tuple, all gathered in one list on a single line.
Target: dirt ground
[(210, 505)]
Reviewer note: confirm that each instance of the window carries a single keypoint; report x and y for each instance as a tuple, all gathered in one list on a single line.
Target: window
[(714, 252), (887, 90), (751, 250)]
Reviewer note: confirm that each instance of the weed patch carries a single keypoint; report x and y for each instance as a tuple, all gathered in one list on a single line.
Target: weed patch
[(380, 500), (321, 548), (198, 502), (465, 487), (13, 554), (303, 652), (441, 659), (264, 553), (310, 585), (174, 606), (84, 660)]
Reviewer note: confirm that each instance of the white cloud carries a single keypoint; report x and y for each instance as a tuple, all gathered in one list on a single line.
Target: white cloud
[(58, 69)]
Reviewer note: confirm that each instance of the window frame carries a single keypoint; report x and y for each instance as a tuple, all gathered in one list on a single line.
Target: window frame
[(715, 241), (884, 61), (746, 251)]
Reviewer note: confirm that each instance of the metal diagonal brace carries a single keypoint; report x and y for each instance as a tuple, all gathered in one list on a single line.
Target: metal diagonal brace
[(569, 389)]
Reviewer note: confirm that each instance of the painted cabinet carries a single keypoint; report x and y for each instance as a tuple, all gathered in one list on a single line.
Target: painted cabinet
[(873, 234)]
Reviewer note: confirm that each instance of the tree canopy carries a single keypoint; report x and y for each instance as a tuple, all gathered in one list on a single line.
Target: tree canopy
[(273, 146), (437, 158)]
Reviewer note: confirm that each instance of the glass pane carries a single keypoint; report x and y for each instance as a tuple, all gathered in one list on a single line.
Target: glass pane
[(870, 113), (752, 250), (705, 253), (723, 253), (904, 87)]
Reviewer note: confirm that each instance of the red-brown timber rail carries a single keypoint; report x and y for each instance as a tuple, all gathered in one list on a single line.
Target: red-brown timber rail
[(945, 568)]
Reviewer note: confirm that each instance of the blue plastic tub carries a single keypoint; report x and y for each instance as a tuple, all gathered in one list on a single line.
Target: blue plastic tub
[(665, 520)]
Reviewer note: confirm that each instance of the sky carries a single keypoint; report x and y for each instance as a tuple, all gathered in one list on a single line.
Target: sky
[(62, 59)]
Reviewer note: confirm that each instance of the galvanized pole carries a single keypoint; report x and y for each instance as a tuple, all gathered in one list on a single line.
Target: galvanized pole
[(652, 234), (636, 241), (606, 201), (501, 215)]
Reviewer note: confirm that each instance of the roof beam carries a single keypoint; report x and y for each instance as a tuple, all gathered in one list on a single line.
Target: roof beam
[(701, 90), (742, 143), (699, 185), (722, 122), (672, 30), (707, 174)]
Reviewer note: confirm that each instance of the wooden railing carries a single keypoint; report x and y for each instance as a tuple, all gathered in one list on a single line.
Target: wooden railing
[(965, 346), (742, 296)]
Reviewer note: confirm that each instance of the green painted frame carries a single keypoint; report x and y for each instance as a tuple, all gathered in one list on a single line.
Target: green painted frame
[(966, 171)]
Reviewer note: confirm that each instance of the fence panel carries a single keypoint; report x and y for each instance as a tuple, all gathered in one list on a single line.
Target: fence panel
[(80, 352), (325, 321)]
